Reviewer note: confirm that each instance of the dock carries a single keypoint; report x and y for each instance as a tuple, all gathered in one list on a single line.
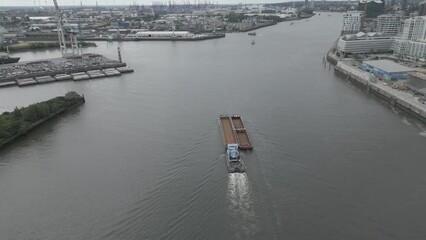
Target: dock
[(197, 37), (396, 98), (234, 131), (87, 66)]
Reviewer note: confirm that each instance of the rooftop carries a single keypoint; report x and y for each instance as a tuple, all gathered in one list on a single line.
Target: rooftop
[(388, 66), (365, 36)]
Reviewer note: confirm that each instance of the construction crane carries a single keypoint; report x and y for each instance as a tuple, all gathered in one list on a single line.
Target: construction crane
[(65, 29)]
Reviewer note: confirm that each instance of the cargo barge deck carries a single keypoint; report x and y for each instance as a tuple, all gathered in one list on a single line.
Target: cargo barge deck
[(234, 131)]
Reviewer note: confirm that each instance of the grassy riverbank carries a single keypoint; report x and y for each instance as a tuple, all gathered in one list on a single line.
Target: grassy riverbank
[(21, 120)]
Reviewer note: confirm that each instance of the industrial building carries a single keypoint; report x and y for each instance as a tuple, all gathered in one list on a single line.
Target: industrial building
[(163, 34), (386, 69)]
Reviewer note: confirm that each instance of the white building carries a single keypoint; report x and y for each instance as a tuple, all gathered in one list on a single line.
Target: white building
[(161, 34), (389, 24), (352, 22), (412, 43), (362, 43)]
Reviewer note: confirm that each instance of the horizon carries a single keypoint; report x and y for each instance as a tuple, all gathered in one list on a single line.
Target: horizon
[(71, 3)]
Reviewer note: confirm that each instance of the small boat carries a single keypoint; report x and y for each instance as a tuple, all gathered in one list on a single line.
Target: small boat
[(5, 58), (253, 42), (291, 23), (252, 33)]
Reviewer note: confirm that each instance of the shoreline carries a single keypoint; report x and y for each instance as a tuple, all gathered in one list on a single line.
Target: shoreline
[(275, 23), (400, 100), (26, 46), (33, 126), (259, 26), (201, 38), (57, 70)]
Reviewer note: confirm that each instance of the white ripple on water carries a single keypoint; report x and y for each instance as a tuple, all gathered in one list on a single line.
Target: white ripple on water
[(241, 205), (136, 221), (422, 129), (405, 120)]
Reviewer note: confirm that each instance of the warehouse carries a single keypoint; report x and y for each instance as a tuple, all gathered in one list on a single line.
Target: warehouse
[(386, 69)]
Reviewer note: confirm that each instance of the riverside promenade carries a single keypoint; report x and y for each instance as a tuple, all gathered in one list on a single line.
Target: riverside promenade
[(402, 100)]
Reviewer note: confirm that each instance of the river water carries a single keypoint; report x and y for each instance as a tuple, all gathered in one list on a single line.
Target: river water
[(143, 158)]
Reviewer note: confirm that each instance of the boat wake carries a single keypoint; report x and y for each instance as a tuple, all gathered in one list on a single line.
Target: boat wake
[(241, 206), (422, 129)]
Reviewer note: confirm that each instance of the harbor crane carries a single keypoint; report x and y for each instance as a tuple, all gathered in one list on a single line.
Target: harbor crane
[(65, 28)]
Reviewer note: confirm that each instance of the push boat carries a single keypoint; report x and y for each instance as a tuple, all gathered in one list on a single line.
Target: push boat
[(233, 159)]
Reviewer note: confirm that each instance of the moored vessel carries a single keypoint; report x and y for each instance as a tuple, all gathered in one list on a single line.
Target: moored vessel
[(5, 58)]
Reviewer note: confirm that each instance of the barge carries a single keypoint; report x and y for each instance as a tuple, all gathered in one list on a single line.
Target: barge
[(234, 137), (234, 131)]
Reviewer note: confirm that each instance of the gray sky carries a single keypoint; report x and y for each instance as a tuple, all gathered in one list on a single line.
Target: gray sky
[(119, 2)]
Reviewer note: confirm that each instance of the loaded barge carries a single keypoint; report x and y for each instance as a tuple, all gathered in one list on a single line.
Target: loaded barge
[(234, 131), (234, 136)]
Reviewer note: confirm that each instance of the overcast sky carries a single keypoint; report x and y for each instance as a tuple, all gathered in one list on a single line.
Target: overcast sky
[(119, 2)]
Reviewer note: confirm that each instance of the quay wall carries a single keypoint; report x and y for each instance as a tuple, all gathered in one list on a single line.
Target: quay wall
[(361, 79), (331, 58), (152, 38), (64, 71)]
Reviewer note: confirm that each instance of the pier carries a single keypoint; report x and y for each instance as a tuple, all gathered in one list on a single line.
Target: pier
[(396, 98), (87, 66)]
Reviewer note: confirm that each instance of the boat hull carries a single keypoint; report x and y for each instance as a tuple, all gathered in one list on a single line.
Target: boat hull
[(9, 60)]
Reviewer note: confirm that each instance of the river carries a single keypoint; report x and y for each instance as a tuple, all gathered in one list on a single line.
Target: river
[(143, 158)]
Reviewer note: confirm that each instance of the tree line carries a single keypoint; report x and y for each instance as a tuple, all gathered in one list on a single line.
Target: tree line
[(20, 120)]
